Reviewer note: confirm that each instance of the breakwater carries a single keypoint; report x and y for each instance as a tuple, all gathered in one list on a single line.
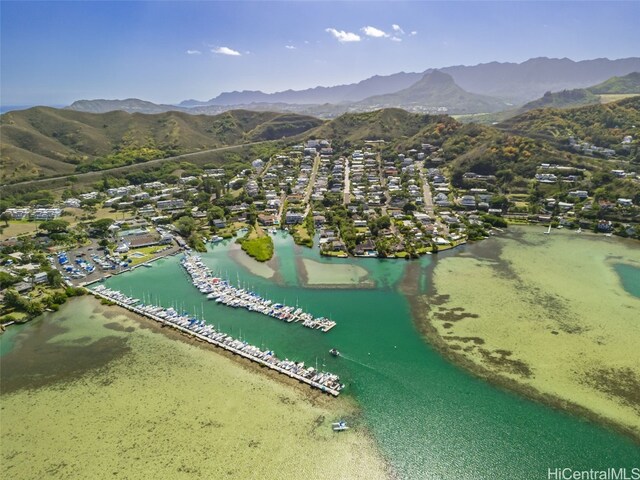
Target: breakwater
[(324, 381)]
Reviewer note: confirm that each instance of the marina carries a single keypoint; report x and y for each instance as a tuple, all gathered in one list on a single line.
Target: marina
[(324, 381), (226, 294)]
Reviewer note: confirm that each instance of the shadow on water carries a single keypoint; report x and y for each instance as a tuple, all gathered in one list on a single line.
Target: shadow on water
[(36, 360)]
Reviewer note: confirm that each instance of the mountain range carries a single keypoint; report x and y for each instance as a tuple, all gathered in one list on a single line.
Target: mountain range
[(510, 84)]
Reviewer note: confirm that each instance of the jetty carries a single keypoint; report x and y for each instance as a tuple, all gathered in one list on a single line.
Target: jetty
[(324, 381), (226, 294)]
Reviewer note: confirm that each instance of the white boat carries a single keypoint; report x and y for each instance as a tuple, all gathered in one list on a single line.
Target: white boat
[(579, 230), (340, 426), (548, 231)]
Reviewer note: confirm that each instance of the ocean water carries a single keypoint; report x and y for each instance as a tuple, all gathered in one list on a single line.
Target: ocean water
[(90, 392), (630, 278), (431, 419)]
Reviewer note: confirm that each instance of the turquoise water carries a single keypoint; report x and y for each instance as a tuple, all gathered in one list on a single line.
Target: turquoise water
[(630, 278), (430, 418)]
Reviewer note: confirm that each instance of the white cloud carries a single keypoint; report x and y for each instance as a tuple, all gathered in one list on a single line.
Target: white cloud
[(413, 33), (289, 47), (193, 52), (226, 51), (397, 28), (374, 32), (396, 39), (343, 36)]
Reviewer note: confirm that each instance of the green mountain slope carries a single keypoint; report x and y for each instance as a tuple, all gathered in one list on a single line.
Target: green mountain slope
[(563, 99), (618, 85), (46, 141), (604, 125), (391, 124)]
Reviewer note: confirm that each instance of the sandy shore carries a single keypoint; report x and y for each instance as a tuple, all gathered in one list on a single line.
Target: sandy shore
[(545, 316), (261, 269), (93, 392), (333, 275)]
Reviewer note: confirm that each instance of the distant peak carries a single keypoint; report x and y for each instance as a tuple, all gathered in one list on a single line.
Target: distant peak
[(436, 77)]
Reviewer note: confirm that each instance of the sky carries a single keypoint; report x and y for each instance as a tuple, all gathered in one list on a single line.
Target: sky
[(53, 53)]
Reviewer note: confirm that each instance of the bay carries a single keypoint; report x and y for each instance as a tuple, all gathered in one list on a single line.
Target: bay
[(430, 418)]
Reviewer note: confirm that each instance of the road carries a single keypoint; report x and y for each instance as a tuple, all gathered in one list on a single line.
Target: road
[(426, 193), (98, 174), (312, 181), (443, 229), (347, 184)]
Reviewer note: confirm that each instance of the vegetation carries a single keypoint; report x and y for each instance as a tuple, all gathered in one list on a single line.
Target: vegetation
[(565, 98), (603, 125), (257, 246), (619, 85), (43, 142)]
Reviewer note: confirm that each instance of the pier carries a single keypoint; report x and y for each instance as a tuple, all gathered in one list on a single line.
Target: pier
[(223, 292), (326, 382)]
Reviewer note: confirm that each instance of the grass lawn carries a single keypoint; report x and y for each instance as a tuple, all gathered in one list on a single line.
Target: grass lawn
[(331, 253), (18, 227), (147, 253), (301, 236)]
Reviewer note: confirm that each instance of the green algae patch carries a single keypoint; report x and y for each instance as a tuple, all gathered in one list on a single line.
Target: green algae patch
[(546, 315), (165, 406)]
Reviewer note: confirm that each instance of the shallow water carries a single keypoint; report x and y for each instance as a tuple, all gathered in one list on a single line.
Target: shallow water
[(549, 311), (629, 275), (90, 393), (431, 419)]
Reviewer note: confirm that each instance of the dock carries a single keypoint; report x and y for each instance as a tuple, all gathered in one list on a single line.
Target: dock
[(323, 381), (223, 292)]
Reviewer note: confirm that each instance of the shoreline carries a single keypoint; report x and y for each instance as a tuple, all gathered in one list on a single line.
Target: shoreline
[(214, 402), (315, 397), (421, 308)]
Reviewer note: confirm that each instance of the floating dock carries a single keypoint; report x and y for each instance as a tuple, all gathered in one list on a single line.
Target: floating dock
[(225, 293), (326, 382)]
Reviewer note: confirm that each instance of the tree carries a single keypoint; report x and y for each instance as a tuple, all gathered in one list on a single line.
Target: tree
[(54, 277), (215, 213), (54, 226), (383, 222), (101, 226), (6, 280), (409, 207), (12, 298), (5, 217), (185, 225)]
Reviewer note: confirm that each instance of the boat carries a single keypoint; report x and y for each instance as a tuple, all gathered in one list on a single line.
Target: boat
[(579, 230), (340, 426), (548, 231), (334, 352)]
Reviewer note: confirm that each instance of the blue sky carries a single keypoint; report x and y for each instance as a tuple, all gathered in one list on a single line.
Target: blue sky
[(165, 52)]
